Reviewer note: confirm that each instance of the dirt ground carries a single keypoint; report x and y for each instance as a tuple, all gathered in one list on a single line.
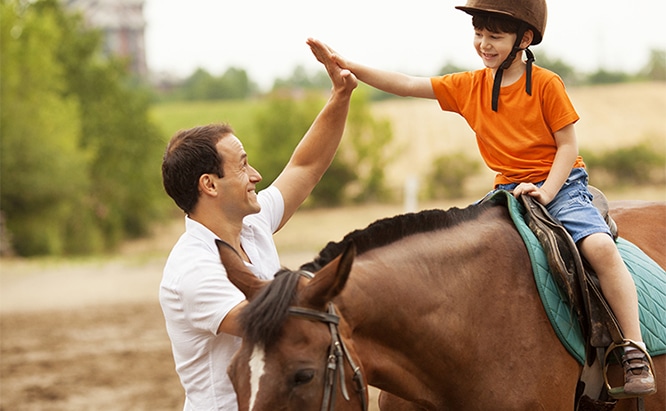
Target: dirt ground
[(110, 357), (84, 336), (78, 349)]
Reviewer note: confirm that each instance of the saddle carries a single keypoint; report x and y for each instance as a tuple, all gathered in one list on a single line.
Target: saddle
[(579, 282)]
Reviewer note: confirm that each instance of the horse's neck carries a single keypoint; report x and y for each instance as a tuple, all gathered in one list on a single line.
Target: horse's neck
[(427, 270)]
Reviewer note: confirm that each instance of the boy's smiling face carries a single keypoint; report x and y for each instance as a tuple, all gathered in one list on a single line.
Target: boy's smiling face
[(493, 48)]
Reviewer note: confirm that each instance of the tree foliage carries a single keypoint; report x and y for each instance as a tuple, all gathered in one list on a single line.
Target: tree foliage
[(603, 76), (80, 158), (279, 128), (566, 72), (448, 175), (233, 84), (655, 70), (301, 79), (639, 164), (357, 171), (450, 68), (369, 140)]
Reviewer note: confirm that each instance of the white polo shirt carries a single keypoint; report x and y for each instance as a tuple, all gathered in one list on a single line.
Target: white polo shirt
[(196, 295)]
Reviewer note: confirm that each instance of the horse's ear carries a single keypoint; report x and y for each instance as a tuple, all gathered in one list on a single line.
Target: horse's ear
[(330, 280), (238, 273)]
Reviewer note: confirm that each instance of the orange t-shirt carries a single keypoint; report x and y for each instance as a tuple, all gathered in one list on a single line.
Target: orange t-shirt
[(517, 141)]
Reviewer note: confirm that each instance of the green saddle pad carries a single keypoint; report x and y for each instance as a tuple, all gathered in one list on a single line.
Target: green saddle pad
[(649, 277)]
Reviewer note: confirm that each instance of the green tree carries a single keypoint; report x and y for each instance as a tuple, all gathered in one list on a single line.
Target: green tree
[(641, 163), (602, 76), (450, 68), (235, 84), (449, 174), (70, 120), (42, 187), (357, 171), (126, 147), (198, 86), (566, 72), (369, 141), (279, 128), (301, 79), (656, 67), (201, 85)]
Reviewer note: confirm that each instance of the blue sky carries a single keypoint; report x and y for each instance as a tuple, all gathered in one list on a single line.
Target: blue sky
[(267, 37)]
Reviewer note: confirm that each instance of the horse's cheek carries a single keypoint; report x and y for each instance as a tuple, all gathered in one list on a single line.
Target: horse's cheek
[(303, 397)]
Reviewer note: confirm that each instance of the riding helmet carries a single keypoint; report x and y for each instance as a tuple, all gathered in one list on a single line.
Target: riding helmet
[(532, 12)]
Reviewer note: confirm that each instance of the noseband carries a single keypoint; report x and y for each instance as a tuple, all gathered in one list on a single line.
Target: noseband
[(337, 353)]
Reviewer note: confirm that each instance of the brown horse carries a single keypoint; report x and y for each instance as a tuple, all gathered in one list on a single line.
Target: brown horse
[(439, 310)]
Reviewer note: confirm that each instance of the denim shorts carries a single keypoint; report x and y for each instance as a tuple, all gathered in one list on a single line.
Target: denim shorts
[(573, 207)]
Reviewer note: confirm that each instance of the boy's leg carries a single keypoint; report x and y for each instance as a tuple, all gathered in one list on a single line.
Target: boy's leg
[(619, 290), (616, 282)]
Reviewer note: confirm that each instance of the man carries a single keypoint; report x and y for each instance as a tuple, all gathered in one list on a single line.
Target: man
[(207, 173)]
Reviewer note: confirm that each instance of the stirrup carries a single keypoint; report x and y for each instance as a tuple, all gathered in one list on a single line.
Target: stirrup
[(618, 392)]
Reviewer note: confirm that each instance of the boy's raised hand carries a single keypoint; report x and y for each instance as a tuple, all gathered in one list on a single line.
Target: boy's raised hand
[(340, 76)]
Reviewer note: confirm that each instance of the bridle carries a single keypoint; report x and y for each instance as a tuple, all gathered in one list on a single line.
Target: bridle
[(337, 353)]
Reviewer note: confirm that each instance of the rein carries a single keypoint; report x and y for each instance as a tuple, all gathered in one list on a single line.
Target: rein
[(337, 353)]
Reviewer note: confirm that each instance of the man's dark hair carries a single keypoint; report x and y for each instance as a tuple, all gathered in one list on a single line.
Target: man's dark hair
[(189, 154)]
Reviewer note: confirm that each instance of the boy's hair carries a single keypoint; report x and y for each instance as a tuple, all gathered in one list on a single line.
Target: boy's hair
[(495, 24), (189, 154)]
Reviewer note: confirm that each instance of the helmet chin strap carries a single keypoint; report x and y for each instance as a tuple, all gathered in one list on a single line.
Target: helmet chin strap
[(497, 82)]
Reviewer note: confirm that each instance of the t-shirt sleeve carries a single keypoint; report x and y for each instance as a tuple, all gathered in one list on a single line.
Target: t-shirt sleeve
[(207, 294), (558, 109), (272, 208), (448, 89), (440, 86)]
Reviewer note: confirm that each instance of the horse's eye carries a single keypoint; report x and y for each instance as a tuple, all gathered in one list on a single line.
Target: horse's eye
[(303, 376)]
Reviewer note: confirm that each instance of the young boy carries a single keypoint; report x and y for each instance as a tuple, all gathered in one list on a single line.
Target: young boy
[(524, 125)]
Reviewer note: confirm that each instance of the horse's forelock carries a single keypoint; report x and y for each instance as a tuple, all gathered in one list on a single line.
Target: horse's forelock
[(263, 318), (388, 230)]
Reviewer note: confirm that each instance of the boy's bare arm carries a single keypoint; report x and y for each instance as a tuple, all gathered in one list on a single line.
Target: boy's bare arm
[(565, 157), (389, 81)]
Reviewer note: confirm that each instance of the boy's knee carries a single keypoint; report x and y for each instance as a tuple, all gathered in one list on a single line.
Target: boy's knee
[(600, 244)]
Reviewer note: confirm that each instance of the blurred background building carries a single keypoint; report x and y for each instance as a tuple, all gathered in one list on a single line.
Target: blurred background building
[(123, 24)]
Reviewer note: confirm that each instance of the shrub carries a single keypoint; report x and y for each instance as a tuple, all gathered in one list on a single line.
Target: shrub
[(641, 164), (449, 174)]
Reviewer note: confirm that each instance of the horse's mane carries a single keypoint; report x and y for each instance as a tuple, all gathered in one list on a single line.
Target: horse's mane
[(388, 230), (263, 318)]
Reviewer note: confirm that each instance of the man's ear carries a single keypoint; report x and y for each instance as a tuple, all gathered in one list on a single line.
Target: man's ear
[(527, 39), (207, 184)]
